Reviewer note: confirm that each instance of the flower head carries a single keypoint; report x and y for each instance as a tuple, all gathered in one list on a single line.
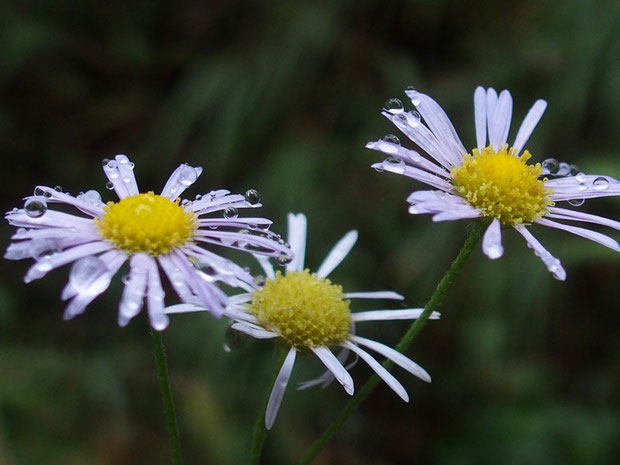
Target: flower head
[(494, 180), (153, 232), (306, 312)]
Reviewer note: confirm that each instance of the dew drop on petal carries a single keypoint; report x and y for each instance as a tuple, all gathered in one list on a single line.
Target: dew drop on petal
[(234, 340), (378, 167), (395, 165), (391, 138), (574, 169), (105, 161), (550, 166), (260, 280), (230, 212), (393, 105), (582, 187), (580, 177), (252, 196), (577, 202), (564, 169), (35, 208), (187, 175), (90, 276), (600, 183), (91, 197), (109, 186), (58, 188), (283, 260)]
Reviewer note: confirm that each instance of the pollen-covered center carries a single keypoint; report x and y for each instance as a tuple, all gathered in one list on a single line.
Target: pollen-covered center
[(146, 223), (502, 185), (304, 309)]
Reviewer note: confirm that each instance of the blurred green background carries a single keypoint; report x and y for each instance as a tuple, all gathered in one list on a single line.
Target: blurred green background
[(282, 96)]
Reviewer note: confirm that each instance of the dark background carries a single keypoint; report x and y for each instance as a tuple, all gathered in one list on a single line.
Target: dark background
[(282, 96)]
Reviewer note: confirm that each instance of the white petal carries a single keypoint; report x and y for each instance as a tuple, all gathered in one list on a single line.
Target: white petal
[(127, 176), (297, 230), (155, 299), (92, 209), (402, 314), (374, 295), (254, 330), (529, 123), (176, 278), (279, 387), (52, 219), (135, 287), (441, 126), (266, 265), (500, 124), (573, 215), (583, 187), (112, 171), (381, 372), (408, 156), (49, 262), (586, 233), (180, 179), (461, 213), (333, 364), (492, 240), (480, 116), (210, 204), (552, 263), (337, 254), (491, 104), (184, 308), (414, 173), (398, 358)]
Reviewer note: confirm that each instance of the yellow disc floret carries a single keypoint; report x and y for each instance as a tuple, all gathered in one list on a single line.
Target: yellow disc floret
[(146, 223), (304, 309), (502, 185)]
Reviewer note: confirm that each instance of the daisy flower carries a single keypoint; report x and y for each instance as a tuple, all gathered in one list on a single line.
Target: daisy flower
[(306, 312), (150, 231), (493, 180)]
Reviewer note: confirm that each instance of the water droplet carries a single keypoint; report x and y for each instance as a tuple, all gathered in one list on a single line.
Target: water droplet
[(91, 197), (600, 183), (105, 161), (414, 117), (58, 188), (252, 196), (395, 165), (187, 175), (564, 169), (35, 208), (113, 174), (574, 169), (131, 165), (393, 106), (21, 232), (284, 260), (90, 276), (580, 177), (260, 280), (577, 202), (391, 138), (234, 340), (185, 202), (582, 187), (198, 197), (410, 89), (122, 159), (109, 186), (378, 167), (551, 166), (230, 212)]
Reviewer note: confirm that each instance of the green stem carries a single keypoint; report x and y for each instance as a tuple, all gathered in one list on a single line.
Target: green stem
[(260, 430), (405, 342), (166, 395)]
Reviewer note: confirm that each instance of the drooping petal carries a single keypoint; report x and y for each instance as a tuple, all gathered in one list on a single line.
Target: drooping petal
[(492, 240), (180, 179), (385, 375), (297, 231), (552, 263), (408, 156), (155, 299), (279, 387), (135, 287), (586, 233), (333, 364), (398, 358), (337, 254)]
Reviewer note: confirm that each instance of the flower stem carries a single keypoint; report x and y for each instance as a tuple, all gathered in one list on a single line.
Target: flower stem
[(405, 342), (260, 430), (166, 395)]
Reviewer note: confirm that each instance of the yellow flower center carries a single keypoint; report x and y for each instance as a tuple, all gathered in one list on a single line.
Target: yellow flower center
[(304, 309), (501, 185), (146, 223)]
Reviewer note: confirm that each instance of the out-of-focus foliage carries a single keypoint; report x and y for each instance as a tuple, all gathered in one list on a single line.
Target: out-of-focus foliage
[(282, 96)]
